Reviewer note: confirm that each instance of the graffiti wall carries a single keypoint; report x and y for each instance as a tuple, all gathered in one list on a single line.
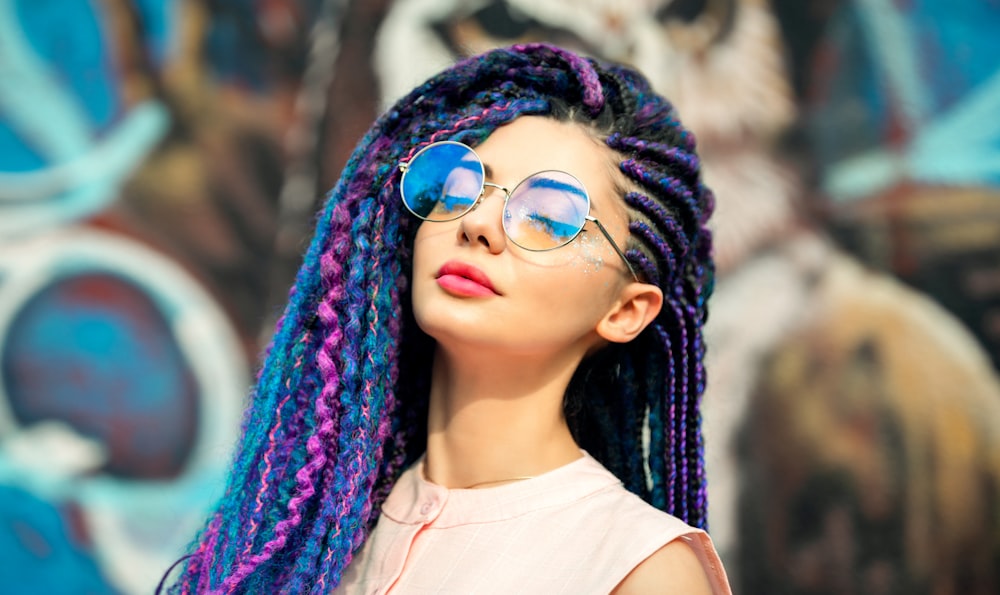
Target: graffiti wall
[(140, 158), (160, 162)]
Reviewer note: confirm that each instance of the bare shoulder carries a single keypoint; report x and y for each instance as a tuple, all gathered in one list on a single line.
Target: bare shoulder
[(674, 569)]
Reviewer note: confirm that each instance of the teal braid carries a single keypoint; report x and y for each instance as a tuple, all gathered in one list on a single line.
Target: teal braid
[(339, 406)]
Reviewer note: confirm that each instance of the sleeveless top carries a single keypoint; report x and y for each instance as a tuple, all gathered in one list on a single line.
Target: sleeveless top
[(575, 529)]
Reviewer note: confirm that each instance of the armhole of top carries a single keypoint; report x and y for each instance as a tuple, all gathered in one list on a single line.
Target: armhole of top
[(701, 545), (704, 550)]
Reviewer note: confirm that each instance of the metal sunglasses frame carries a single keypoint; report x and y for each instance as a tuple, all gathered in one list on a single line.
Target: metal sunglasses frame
[(404, 167)]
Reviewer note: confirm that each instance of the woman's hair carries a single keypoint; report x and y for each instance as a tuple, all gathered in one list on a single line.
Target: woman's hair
[(340, 404)]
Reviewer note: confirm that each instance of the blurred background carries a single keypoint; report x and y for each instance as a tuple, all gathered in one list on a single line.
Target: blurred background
[(161, 161)]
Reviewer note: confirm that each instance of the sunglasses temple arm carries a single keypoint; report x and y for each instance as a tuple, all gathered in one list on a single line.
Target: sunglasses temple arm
[(614, 245)]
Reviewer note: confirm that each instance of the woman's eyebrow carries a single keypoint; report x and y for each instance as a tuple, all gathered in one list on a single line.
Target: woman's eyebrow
[(538, 181), (488, 171)]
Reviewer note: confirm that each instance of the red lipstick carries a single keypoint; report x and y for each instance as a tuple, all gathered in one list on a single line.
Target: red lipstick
[(464, 280)]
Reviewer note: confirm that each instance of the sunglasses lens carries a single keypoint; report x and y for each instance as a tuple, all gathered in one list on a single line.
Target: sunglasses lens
[(442, 182), (546, 211)]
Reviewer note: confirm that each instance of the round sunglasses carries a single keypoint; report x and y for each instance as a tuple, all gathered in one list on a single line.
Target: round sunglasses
[(547, 210)]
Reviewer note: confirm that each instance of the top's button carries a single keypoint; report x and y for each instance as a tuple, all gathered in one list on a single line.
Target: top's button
[(427, 507)]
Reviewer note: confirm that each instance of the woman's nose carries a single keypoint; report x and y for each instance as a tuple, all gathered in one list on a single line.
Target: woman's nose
[(484, 223)]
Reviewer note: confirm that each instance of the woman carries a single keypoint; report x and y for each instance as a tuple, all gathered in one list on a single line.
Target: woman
[(474, 336)]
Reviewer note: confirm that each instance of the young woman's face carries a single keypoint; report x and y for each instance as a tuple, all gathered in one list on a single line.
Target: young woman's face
[(472, 285)]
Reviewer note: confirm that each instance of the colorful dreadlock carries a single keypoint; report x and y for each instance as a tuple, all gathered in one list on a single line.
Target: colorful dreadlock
[(339, 408)]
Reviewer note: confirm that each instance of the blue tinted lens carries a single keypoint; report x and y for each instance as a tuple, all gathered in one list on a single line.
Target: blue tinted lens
[(442, 182), (546, 211)]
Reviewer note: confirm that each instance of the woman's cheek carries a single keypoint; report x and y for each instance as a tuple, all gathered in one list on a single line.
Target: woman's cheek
[(589, 253)]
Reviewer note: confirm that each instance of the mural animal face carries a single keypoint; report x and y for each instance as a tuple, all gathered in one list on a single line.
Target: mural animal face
[(717, 57)]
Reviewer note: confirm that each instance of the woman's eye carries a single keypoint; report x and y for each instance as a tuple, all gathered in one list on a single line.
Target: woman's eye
[(450, 203), (455, 201), (559, 229)]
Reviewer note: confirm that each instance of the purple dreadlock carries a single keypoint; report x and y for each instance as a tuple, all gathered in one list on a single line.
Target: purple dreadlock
[(339, 408)]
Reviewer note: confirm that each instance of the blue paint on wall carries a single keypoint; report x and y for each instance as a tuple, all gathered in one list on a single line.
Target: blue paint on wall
[(158, 22), (94, 350), (67, 35), (39, 552)]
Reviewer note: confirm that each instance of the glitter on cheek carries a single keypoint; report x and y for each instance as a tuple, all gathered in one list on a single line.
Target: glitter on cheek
[(588, 253)]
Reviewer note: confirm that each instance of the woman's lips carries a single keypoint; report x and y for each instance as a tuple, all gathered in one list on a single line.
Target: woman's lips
[(465, 280)]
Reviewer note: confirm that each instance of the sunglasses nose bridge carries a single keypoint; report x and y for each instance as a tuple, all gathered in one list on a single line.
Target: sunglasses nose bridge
[(482, 195), (503, 189)]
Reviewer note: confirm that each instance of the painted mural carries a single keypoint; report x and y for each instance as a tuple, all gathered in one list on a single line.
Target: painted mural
[(899, 104), (138, 163), (160, 161)]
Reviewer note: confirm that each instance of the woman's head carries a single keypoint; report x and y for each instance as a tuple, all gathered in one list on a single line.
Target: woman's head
[(508, 262), (340, 403)]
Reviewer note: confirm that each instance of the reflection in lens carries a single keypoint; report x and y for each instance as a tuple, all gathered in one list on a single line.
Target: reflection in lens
[(460, 190), (546, 211), (442, 181)]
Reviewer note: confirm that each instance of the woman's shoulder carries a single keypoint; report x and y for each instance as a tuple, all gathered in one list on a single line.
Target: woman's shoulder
[(670, 556), (627, 510), (673, 569), (666, 554)]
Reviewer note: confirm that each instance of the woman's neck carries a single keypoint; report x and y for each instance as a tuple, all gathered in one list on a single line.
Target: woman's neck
[(496, 420)]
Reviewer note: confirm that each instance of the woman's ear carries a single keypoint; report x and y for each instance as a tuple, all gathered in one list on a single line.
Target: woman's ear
[(637, 306)]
